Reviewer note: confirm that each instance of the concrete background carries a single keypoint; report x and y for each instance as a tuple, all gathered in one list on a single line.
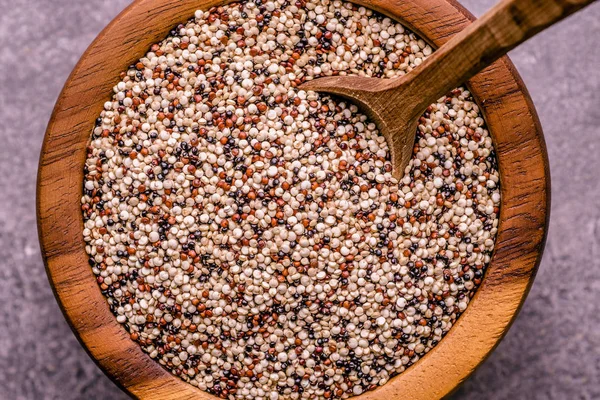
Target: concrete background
[(552, 350)]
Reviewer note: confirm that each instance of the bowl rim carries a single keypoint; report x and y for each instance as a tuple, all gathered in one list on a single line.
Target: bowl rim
[(524, 214)]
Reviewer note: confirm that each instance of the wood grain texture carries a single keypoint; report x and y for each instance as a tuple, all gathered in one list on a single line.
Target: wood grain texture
[(524, 213), (397, 104)]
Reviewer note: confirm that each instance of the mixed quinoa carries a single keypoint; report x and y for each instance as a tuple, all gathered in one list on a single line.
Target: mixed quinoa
[(249, 235)]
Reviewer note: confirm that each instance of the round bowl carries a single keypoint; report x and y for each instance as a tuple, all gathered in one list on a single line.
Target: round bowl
[(525, 189)]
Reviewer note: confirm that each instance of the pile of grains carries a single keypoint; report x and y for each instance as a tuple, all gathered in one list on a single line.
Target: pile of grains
[(249, 234)]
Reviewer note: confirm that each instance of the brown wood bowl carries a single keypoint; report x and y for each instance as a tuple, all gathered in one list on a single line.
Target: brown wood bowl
[(525, 186)]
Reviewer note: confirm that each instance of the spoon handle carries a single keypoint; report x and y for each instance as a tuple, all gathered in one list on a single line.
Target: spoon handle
[(502, 28)]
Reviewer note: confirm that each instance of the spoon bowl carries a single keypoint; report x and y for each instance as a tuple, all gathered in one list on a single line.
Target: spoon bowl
[(395, 121)]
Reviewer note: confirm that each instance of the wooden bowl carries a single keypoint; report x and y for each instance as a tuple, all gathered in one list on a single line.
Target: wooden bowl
[(524, 176)]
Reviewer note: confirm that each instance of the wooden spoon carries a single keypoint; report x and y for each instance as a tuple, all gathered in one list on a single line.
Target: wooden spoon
[(397, 104)]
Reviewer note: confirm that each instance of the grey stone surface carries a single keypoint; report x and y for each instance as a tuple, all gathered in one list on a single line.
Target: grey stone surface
[(552, 350)]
